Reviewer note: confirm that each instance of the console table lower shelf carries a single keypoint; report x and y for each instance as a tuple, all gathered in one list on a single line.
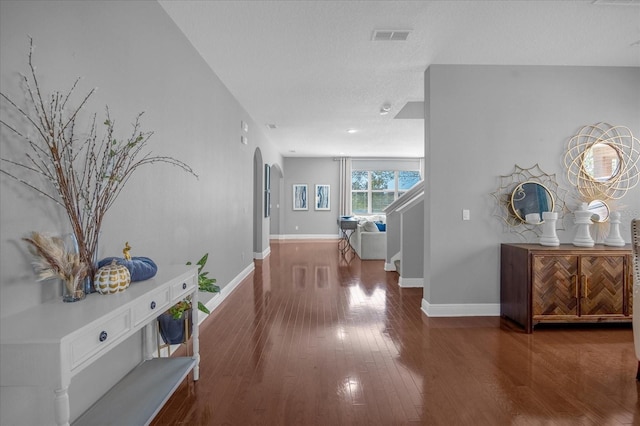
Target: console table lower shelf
[(45, 348), (150, 384)]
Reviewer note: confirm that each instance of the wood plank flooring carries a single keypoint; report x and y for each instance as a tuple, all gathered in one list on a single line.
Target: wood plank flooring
[(312, 338)]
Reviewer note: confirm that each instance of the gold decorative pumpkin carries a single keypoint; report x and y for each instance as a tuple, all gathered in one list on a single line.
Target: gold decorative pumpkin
[(112, 278)]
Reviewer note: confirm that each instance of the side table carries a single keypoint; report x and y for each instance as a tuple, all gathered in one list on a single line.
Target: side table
[(347, 228)]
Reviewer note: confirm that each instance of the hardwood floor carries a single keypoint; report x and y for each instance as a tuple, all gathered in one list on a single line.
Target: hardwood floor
[(311, 339)]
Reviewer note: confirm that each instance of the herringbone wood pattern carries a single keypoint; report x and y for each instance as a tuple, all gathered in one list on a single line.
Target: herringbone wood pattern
[(554, 285), (603, 290)]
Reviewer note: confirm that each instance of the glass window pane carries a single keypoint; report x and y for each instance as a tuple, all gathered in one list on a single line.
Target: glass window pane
[(383, 179), (380, 200), (359, 179), (406, 179), (359, 202)]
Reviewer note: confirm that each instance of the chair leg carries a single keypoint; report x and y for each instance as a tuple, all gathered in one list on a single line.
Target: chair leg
[(638, 373)]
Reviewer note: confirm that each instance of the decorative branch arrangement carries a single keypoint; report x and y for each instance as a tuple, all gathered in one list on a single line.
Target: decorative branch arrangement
[(84, 174)]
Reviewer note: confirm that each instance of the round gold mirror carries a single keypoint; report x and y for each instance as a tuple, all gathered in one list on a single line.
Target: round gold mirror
[(530, 198), (600, 211), (601, 162)]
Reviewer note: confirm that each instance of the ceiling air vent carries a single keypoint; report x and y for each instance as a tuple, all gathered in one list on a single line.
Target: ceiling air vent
[(390, 35), (618, 2)]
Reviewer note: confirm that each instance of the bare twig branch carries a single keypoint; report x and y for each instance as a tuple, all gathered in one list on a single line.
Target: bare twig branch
[(86, 176)]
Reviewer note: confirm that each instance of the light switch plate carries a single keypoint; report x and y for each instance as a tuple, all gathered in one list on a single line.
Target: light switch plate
[(466, 214)]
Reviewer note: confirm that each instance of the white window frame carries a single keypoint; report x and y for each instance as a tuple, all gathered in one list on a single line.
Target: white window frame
[(369, 191)]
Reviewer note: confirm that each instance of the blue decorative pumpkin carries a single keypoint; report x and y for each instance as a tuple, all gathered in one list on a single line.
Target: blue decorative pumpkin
[(140, 268)]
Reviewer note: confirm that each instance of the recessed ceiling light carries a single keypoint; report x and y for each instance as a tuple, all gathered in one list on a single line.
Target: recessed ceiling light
[(351, 131)]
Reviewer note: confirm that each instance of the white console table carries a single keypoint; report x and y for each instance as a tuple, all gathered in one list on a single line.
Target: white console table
[(43, 348)]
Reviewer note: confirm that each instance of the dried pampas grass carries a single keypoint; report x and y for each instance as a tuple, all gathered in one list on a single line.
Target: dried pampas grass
[(54, 261)]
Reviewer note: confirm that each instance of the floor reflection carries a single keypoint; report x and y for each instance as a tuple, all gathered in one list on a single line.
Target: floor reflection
[(316, 339)]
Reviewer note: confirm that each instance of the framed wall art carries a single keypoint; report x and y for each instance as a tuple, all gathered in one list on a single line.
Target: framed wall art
[(323, 197), (300, 196)]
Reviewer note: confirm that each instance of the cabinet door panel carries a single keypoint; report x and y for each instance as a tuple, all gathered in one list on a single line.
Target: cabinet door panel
[(603, 285), (554, 285)]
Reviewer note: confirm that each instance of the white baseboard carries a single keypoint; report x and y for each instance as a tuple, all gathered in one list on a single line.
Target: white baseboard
[(276, 237), (225, 292), (213, 300), (263, 255), (461, 309), (389, 267), (410, 282), (309, 237)]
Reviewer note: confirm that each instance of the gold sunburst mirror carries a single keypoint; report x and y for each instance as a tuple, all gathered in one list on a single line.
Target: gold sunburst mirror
[(602, 164), (524, 192)]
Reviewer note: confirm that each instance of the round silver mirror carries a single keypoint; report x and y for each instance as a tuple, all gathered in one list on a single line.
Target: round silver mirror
[(531, 198), (600, 211), (601, 162)]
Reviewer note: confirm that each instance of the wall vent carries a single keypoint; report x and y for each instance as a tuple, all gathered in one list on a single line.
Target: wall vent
[(272, 126), (390, 35)]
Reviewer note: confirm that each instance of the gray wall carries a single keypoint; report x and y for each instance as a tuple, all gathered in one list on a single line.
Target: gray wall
[(412, 245), (140, 61), (310, 171), (276, 219), (481, 121)]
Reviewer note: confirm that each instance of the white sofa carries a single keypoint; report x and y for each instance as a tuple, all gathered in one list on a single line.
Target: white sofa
[(369, 242)]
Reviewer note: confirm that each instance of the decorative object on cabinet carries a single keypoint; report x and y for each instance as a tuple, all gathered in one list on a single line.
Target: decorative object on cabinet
[(45, 348), (565, 284), (52, 260), (300, 197), (140, 268), (112, 278), (323, 197), (602, 162), (81, 173), (614, 238), (528, 191), (635, 244), (549, 236), (583, 221)]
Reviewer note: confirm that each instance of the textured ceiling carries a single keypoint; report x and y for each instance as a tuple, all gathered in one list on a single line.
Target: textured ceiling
[(311, 68)]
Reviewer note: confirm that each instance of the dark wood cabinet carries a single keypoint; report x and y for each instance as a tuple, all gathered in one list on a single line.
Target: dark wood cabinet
[(565, 284)]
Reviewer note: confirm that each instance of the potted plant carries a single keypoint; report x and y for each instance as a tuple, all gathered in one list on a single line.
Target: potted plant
[(172, 322)]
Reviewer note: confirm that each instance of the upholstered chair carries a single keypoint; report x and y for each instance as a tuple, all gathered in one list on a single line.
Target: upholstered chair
[(635, 244)]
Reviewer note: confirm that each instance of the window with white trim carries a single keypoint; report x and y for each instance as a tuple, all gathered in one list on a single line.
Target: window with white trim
[(373, 190)]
